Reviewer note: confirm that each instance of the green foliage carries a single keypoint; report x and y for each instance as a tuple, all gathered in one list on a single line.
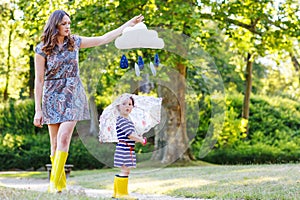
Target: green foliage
[(80, 157), (259, 153), (24, 146), (23, 151), (274, 135), (274, 116), (16, 117), (248, 27), (32, 152), (233, 127)]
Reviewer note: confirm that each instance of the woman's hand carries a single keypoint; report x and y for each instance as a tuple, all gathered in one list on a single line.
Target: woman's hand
[(38, 118), (135, 20)]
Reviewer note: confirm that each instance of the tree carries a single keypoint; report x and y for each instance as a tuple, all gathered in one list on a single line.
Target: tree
[(173, 17), (11, 49), (108, 17), (255, 29), (250, 30), (7, 15)]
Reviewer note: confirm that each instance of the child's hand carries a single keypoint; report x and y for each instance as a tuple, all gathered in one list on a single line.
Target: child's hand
[(144, 141)]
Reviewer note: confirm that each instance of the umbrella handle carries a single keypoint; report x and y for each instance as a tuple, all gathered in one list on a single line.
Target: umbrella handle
[(144, 141)]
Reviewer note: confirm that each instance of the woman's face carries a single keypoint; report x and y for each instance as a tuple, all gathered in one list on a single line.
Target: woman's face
[(64, 26), (126, 107)]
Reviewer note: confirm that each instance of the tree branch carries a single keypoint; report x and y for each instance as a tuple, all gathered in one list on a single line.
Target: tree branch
[(295, 62), (250, 27)]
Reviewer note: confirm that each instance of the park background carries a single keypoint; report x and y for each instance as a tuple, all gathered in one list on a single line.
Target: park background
[(253, 44)]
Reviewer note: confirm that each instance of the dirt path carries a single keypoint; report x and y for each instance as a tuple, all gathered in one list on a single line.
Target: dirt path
[(41, 185)]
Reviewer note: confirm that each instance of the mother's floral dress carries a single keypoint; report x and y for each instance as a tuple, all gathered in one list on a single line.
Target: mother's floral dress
[(64, 97)]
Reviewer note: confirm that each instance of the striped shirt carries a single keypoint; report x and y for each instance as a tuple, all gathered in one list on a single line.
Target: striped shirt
[(124, 154)]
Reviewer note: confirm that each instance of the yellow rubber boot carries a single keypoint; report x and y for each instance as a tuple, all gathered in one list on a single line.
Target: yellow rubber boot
[(63, 181), (58, 176), (52, 159), (51, 185), (115, 187), (62, 184), (121, 188)]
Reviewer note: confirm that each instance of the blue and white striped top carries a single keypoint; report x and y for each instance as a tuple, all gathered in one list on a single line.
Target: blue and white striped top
[(124, 154)]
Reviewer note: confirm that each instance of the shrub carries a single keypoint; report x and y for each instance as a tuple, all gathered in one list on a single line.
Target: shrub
[(16, 117), (23, 151), (31, 152), (80, 157), (273, 137), (252, 154)]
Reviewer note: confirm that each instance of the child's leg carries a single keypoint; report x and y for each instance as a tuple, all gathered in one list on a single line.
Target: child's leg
[(121, 183), (124, 171)]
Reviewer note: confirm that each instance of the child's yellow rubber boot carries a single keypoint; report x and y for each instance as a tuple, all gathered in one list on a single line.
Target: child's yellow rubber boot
[(121, 188), (115, 187)]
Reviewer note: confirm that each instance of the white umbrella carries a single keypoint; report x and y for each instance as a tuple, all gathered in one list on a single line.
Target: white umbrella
[(145, 114)]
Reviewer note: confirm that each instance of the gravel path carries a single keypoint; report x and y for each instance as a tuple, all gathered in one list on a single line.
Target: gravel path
[(41, 185)]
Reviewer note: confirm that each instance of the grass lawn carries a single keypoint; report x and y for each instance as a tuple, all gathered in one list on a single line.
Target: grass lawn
[(205, 181), (18, 194)]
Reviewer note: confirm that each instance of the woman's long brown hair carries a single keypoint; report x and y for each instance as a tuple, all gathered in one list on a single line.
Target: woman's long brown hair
[(49, 36)]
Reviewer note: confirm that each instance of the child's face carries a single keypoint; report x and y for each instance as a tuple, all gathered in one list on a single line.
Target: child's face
[(125, 107)]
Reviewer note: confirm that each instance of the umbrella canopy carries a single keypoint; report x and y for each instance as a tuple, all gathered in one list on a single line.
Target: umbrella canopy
[(145, 114)]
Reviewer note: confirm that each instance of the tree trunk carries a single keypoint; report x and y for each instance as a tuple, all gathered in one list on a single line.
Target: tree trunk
[(5, 95), (246, 106), (94, 126), (31, 74), (171, 143), (295, 62)]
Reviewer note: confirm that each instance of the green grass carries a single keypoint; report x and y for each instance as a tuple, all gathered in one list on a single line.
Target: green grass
[(19, 194), (206, 181), (23, 174), (219, 182)]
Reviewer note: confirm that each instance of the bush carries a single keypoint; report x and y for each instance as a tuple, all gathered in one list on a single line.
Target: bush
[(80, 157), (16, 117), (274, 133), (24, 146), (273, 115), (31, 152), (23, 151), (274, 136), (253, 154)]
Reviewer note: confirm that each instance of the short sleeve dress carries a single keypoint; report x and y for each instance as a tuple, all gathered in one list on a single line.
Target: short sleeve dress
[(64, 98), (124, 154)]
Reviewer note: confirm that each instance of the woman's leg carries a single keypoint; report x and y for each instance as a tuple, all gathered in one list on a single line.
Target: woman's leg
[(58, 176), (53, 130), (64, 135)]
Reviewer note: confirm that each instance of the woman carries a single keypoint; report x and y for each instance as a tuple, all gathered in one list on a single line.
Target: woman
[(60, 99)]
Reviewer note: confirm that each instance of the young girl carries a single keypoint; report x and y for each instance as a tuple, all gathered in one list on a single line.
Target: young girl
[(125, 155)]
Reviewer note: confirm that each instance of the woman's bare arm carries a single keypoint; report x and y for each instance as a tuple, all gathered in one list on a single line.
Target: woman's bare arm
[(38, 88), (87, 42)]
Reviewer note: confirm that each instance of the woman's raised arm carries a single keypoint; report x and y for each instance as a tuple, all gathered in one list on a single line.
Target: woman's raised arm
[(87, 42)]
